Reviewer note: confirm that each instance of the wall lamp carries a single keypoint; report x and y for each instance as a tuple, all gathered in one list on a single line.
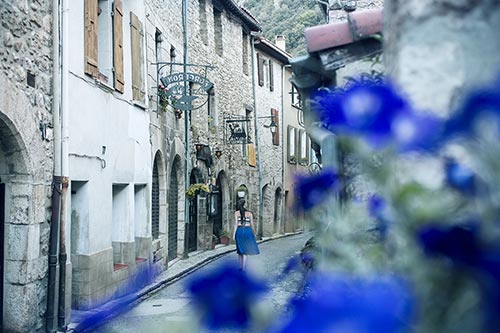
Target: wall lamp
[(272, 126)]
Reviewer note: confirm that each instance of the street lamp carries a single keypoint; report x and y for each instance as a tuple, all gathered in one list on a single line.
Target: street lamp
[(272, 126)]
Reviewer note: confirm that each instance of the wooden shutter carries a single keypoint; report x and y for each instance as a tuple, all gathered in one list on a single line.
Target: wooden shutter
[(136, 34), (260, 69), (276, 135), (271, 78), (118, 45), (252, 156), (90, 38)]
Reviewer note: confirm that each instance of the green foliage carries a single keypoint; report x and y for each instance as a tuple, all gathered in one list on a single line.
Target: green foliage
[(287, 18)]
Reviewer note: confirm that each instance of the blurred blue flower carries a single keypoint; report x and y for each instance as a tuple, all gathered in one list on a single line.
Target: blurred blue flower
[(458, 242), (224, 296), (311, 190), (375, 111), (460, 177), (412, 131), (483, 102), (462, 244), (378, 209), (342, 304)]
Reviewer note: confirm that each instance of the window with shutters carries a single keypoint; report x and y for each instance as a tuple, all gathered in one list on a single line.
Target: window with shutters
[(104, 41), (291, 144), (260, 69), (276, 134), (303, 147), (136, 46)]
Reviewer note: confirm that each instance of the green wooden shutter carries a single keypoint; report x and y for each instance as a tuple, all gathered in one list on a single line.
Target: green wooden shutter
[(271, 77)]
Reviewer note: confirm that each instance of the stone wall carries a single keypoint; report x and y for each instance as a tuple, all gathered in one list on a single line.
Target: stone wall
[(26, 158), (232, 94), (441, 48)]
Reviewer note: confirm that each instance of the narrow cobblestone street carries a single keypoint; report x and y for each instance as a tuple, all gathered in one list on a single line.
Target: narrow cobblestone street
[(170, 310)]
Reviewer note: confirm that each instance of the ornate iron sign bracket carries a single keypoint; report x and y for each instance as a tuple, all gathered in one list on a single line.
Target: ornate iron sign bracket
[(234, 130), (182, 90)]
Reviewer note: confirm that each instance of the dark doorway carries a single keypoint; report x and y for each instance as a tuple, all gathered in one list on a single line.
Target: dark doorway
[(192, 238), (173, 203), (2, 221), (217, 218)]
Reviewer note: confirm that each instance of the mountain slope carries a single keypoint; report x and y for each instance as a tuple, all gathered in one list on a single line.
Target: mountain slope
[(287, 18)]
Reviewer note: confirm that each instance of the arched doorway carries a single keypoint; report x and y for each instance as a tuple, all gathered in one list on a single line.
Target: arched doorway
[(155, 201), (15, 177), (218, 226), (173, 209), (192, 245), (2, 219)]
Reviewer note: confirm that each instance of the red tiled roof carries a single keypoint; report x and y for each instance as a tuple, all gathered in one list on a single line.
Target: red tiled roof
[(359, 25)]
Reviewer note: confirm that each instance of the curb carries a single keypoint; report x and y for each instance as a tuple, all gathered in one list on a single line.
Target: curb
[(115, 307)]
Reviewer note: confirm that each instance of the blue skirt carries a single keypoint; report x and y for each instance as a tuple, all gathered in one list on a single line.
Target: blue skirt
[(245, 241)]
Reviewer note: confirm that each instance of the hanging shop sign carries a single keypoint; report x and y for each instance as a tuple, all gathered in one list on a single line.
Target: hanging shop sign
[(184, 90), (235, 131)]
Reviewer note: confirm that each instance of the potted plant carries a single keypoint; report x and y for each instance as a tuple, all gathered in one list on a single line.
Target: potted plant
[(224, 237), (215, 240), (195, 189)]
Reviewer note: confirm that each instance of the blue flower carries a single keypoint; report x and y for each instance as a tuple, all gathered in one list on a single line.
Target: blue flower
[(314, 189), (340, 304), (412, 131), (224, 296), (462, 245), (375, 111), (460, 177), (458, 242), (378, 209), (483, 102)]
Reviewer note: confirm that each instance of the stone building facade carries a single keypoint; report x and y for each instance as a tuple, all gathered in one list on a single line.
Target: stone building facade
[(26, 162), (219, 36)]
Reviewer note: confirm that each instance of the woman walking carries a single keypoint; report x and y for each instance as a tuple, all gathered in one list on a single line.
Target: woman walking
[(244, 234)]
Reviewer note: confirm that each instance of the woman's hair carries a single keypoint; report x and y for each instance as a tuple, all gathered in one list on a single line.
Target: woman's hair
[(241, 207)]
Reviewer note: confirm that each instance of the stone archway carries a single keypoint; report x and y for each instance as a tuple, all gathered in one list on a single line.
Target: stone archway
[(17, 227), (173, 207)]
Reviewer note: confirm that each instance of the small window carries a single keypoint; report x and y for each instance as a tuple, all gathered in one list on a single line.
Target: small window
[(202, 12), (260, 69), (276, 133), (218, 31), (303, 148), (244, 48), (291, 143), (271, 76)]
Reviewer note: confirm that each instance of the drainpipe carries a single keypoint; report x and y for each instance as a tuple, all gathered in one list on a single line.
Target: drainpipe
[(61, 322), (257, 146), (64, 164), (56, 184), (187, 115), (283, 208)]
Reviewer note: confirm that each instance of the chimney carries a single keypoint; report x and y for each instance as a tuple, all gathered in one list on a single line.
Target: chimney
[(280, 42)]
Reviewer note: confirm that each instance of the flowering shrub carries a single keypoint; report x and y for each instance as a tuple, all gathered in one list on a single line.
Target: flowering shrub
[(166, 98), (414, 244)]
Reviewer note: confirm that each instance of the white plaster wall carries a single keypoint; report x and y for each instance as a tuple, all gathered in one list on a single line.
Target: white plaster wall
[(105, 118)]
